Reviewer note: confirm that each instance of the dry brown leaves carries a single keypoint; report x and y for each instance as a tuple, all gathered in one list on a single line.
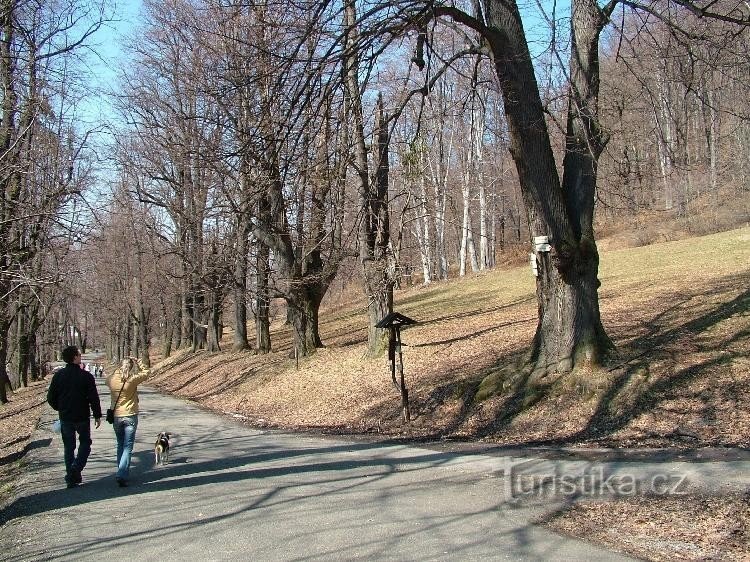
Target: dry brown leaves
[(676, 311), (665, 528), (18, 419)]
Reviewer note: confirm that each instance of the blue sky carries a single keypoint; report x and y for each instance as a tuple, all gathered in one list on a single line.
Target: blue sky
[(105, 57), (108, 54)]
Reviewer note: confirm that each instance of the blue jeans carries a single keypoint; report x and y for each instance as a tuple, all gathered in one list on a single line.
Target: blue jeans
[(68, 431), (125, 431)]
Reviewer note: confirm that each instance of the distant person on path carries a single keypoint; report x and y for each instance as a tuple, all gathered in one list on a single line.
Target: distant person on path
[(123, 387), (73, 394)]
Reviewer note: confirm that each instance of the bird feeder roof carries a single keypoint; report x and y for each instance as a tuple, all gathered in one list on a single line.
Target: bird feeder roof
[(395, 319)]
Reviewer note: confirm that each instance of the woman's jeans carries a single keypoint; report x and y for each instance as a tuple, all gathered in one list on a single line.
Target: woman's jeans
[(125, 427)]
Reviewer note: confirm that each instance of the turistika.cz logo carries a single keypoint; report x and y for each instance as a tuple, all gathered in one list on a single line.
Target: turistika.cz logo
[(591, 483)]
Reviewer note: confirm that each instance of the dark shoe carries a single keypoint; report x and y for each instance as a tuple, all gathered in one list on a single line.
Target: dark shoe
[(73, 478), (122, 483)]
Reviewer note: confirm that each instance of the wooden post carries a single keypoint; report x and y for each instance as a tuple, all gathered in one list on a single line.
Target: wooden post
[(404, 391), (393, 322), (392, 356)]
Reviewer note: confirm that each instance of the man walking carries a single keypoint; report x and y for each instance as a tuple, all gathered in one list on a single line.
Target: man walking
[(72, 393)]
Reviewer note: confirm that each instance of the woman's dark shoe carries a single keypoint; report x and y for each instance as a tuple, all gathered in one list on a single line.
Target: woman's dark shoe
[(122, 483)]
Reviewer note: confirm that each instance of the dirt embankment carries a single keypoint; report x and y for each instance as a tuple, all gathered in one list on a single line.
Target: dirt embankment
[(677, 312), (18, 420)]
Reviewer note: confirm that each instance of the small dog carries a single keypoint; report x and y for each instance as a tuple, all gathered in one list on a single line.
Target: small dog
[(161, 448)]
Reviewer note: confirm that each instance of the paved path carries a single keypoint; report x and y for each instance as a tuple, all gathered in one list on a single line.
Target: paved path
[(235, 493)]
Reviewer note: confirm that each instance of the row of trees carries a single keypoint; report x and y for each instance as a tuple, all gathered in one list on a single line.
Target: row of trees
[(270, 146), (43, 171), (264, 148), (678, 123)]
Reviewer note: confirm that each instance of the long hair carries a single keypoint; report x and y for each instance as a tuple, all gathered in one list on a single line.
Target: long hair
[(126, 371)]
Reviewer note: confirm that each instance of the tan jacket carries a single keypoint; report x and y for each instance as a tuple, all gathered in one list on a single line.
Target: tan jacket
[(127, 405)]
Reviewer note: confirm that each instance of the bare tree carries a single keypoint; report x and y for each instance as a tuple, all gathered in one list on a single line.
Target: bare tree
[(560, 208), (677, 109), (375, 253), (37, 41)]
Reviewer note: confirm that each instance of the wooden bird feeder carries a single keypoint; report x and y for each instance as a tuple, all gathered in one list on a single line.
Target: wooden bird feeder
[(393, 323)]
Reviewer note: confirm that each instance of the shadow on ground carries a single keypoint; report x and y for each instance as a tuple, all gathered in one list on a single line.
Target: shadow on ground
[(660, 360)]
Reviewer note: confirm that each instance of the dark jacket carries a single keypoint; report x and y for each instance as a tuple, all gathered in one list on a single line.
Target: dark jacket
[(72, 392)]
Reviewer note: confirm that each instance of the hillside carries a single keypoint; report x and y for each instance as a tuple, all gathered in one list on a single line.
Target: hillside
[(677, 312)]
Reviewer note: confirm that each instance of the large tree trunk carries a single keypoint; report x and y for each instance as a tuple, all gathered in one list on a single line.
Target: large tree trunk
[(379, 289), (578, 282), (301, 347), (213, 334), (569, 333), (22, 340), (378, 266), (144, 337), (374, 229), (300, 268), (304, 305), (8, 123), (262, 302), (241, 342), (5, 385)]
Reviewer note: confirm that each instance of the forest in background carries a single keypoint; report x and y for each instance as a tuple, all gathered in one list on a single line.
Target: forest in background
[(232, 190)]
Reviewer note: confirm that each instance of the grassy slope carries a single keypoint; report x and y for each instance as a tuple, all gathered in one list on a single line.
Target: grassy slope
[(677, 312)]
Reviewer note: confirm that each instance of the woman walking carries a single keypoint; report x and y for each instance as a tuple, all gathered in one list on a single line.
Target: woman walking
[(123, 387)]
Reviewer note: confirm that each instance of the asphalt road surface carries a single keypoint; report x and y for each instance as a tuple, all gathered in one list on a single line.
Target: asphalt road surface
[(231, 492)]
